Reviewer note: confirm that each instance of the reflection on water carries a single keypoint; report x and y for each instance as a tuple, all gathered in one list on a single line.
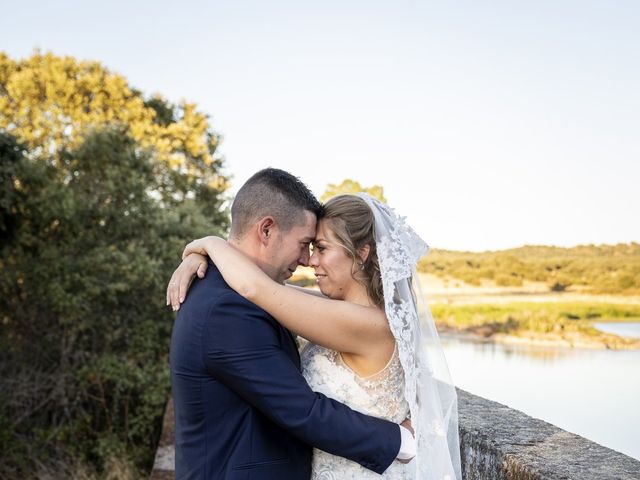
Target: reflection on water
[(594, 393), (624, 329)]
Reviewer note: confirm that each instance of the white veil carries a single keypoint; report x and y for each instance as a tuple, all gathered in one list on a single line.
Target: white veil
[(428, 387)]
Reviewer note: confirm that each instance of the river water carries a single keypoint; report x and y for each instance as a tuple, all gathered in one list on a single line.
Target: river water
[(593, 393)]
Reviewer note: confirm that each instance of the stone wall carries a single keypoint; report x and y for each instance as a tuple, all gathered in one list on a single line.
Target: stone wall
[(497, 443), (164, 464)]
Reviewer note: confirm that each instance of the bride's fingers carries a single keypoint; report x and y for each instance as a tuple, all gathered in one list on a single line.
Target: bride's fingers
[(170, 290), (176, 286), (174, 297), (202, 269), (183, 286)]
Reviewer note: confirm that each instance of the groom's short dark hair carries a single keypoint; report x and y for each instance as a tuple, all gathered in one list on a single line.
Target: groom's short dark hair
[(273, 192)]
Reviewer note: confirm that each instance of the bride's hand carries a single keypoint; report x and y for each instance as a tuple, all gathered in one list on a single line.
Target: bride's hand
[(198, 246), (181, 279), (407, 424)]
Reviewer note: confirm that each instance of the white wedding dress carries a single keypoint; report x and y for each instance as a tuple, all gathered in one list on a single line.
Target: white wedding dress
[(380, 395), (415, 380)]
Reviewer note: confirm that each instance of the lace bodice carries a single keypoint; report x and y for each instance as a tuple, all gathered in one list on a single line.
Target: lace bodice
[(380, 395)]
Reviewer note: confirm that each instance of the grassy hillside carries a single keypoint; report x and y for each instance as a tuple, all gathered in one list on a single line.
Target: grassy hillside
[(597, 269)]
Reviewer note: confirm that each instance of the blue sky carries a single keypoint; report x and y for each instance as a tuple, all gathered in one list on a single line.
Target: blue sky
[(490, 124)]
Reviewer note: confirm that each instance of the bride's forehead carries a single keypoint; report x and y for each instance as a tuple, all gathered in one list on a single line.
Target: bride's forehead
[(324, 231), (322, 227)]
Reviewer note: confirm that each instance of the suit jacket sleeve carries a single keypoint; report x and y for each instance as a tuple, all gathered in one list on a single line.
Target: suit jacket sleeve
[(242, 350)]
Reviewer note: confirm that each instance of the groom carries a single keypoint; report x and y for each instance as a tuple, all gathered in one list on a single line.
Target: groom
[(242, 408)]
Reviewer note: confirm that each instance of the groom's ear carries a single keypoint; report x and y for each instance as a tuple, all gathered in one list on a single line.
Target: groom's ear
[(266, 229)]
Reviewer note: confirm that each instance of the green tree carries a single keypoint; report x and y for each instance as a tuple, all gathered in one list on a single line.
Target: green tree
[(351, 186), (10, 155), (84, 331), (50, 102)]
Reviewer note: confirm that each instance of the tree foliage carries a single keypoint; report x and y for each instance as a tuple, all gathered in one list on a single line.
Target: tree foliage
[(93, 216), (351, 186), (49, 103)]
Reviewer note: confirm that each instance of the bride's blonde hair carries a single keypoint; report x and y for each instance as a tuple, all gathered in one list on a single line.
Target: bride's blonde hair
[(352, 222)]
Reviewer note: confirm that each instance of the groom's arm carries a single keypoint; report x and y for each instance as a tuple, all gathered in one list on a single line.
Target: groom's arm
[(243, 352)]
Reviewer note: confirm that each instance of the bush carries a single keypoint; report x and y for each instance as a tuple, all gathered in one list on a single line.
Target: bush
[(88, 245), (558, 287)]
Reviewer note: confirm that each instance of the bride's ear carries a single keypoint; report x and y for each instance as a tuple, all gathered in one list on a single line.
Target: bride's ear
[(363, 252)]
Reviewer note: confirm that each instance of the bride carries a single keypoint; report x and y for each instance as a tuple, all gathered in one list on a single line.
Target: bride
[(372, 343)]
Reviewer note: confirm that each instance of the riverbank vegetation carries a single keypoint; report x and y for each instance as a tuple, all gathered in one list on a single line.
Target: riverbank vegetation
[(562, 323)]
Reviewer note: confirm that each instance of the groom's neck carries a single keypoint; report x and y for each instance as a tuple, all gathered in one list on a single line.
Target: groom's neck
[(244, 245), (255, 252)]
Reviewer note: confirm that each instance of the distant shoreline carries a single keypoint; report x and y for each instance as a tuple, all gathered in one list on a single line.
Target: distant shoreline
[(573, 341), (463, 301)]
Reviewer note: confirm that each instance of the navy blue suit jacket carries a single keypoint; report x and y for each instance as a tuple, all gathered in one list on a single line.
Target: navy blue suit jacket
[(242, 408)]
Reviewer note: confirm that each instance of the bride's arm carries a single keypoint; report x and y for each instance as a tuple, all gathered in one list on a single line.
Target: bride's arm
[(194, 265), (338, 325), (308, 291)]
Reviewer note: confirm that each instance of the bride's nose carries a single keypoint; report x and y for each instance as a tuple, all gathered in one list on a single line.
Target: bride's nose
[(313, 260)]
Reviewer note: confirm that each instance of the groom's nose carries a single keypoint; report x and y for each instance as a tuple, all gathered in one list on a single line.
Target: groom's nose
[(304, 258), (313, 260)]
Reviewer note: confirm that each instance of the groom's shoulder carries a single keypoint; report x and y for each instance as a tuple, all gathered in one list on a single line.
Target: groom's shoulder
[(237, 321), (221, 297)]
